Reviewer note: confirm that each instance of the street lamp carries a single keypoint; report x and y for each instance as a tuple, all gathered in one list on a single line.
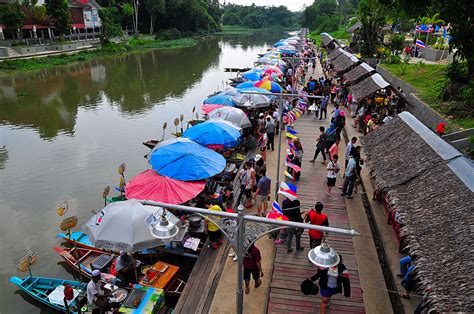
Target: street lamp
[(243, 230), (323, 255)]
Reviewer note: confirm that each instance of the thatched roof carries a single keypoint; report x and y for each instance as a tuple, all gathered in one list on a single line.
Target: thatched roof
[(335, 53), (430, 183), (344, 62), (368, 86), (357, 73), (326, 39), (354, 27)]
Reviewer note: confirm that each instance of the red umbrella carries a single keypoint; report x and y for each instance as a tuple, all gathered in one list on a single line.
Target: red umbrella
[(208, 108), (149, 185)]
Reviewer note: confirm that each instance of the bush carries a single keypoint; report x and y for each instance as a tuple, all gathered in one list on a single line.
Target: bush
[(393, 59), (167, 34)]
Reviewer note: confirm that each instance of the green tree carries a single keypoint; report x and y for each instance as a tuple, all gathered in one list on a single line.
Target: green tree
[(12, 16), (372, 15), (110, 25), (155, 9), (59, 13)]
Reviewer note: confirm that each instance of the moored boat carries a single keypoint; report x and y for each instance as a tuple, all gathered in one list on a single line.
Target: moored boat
[(50, 291)]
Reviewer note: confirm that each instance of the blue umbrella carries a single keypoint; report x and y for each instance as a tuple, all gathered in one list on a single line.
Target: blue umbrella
[(182, 159), (254, 89), (252, 75), (215, 135), (280, 43), (220, 99), (246, 84)]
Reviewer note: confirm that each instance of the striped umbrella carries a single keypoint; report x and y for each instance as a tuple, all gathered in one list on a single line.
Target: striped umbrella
[(269, 85)]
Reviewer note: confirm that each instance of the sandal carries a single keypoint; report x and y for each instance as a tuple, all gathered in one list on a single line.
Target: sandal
[(247, 290), (258, 283)]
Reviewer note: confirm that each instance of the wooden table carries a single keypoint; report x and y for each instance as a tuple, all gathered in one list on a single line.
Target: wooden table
[(164, 279)]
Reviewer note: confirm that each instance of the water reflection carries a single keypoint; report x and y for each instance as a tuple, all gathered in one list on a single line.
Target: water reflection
[(48, 100)]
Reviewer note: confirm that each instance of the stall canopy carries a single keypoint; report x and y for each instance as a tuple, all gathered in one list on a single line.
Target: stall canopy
[(344, 62), (368, 86), (335, 53), (359, 72), (433, 194)]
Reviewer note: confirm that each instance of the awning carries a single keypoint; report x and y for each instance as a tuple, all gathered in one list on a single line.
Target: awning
[(357, 73)]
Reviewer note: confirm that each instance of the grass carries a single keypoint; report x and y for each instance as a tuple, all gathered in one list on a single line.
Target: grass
[(339, 34), (134, 45), (429, 80)]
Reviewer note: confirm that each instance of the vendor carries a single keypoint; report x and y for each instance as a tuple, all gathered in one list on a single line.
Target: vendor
[(95, 295), (125, 270)]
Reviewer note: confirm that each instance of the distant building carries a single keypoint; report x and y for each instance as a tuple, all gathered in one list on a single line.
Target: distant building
[(84, 18)]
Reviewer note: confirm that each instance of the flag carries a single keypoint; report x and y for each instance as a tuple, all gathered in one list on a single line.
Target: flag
[(420, 44), (288, 186), (293, 166), (430, 28), (290, 130), (289, 135), (288, 175), (437, 29), (277, 216), (276, 207), (444, 33), (418, 28), (291, 146), (423, 28)]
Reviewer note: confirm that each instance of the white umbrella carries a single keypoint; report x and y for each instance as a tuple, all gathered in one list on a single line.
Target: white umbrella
[(235, 116), (121, 226), (251, 100)]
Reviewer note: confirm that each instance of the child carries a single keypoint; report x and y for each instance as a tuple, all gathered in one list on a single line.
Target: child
[(333, 170), (228, 195)]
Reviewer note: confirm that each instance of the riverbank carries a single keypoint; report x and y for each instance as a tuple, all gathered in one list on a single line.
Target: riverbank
[(241, 30), (111, 49)]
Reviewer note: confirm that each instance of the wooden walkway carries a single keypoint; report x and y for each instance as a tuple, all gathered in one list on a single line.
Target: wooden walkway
[(289, 270)]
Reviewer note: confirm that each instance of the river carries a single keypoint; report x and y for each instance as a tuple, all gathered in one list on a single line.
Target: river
[(64, 131)]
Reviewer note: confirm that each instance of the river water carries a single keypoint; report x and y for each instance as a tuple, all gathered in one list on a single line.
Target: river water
[(64, 131)]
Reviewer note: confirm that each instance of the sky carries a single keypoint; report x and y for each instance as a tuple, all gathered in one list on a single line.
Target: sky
[(293, 5)]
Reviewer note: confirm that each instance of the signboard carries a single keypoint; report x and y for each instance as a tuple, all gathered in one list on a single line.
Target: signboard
[(68, 223), (62, 208), (27, 261)]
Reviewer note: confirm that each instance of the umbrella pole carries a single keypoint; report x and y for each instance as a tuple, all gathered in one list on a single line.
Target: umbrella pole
[(135, 268)]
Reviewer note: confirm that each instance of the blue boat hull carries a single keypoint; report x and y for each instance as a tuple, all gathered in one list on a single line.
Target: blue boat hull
[(41, 287)]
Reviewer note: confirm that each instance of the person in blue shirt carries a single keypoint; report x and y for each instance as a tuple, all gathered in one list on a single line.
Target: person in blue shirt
[(324, 108)]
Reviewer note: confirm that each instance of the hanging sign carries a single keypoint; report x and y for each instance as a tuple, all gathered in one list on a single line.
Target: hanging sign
[(27, 261), (68, 223), (62, 208)]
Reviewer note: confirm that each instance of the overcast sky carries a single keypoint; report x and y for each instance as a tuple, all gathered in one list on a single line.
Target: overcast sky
[(293, 5)]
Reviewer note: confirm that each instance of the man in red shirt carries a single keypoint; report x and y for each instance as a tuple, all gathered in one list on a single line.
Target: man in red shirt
[(252, 266), (315, 217)]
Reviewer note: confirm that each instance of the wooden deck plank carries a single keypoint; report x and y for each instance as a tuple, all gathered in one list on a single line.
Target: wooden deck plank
[(289, 270)]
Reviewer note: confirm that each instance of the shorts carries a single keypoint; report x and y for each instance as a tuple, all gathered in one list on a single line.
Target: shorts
[(260, 199), (331, 181), (328, 292), (248, 193), (255, 274)]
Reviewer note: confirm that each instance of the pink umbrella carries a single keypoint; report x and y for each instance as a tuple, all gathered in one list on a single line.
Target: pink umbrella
[(149, 185), (206, 108)]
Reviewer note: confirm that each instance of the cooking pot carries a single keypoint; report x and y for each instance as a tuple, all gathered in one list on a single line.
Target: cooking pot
[(195, 221)]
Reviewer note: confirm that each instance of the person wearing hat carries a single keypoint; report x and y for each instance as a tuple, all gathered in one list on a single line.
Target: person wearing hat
[(259, 164), (261, 122), (124, 267), (95, 295)]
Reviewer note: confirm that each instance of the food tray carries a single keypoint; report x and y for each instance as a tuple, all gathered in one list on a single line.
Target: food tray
[(132, 296)]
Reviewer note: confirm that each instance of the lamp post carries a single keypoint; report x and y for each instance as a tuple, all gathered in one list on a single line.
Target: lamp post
[(243, 230)]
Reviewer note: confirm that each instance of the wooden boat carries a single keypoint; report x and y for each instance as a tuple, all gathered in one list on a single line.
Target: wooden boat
[(80, 239), (151, 143), (50, 291), (236, 69), (83, 260)]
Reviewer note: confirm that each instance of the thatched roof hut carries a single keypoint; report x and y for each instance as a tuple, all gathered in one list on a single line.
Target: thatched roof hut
[(344, 62), (326, 39), (335, 53), (358, 73), (368, 86), (354, 28), (431, 184)]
